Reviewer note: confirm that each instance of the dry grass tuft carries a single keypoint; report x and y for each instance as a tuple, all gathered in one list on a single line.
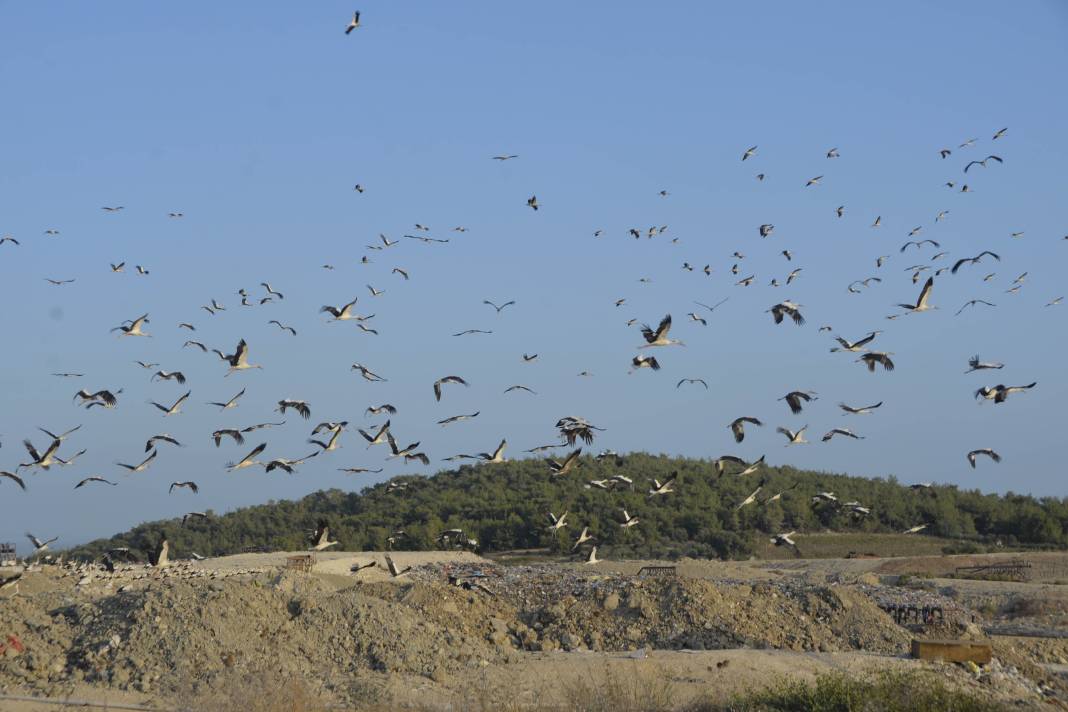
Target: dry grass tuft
[(253, 692)]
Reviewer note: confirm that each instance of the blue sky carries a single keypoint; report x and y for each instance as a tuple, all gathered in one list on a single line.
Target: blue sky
[(255, 121)]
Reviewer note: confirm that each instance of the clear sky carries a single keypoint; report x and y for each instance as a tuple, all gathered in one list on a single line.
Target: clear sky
[(255, 120)]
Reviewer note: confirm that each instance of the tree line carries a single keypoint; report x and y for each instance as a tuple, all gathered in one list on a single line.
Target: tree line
[(505, 507)]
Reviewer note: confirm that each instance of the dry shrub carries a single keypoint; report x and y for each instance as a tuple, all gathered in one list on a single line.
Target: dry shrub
[(253, 692), (638, 689), (1027, 607), (839, 692)]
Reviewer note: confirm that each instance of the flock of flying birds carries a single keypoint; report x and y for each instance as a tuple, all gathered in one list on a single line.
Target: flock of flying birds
[(326, 436)]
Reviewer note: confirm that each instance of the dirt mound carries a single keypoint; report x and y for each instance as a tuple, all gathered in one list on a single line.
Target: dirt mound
[(632, 613), (161, 633)]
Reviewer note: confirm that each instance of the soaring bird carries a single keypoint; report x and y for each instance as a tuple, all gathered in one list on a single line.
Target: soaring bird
[(353, 23), (751, 498), (974, 364), (239, 359), (583, 537), (509, 389), (358, 470), (62, 436), (557, 468), (168, 376), (14, 478), (329, 427), (920, 244), (972, 260), (720, 464), (659, 337), (367, 374), (458, 418), (218, 435), (399, 452), (797, 438), (95, 478), (983, 451), (833, 153), (143, 465), (871, 358), (863, 410), (320, 540), (103, 398), (39, 547), (162, 437), (173, 409), (915, 529), (232, 403), (841, 431), (794, 399), (972, 303), (692, 381), (497, 455), (133, 328), (283, 327), (501, 307), (302, 407), (573, 428), (665, 487), (921, 304), (556, 524), (442, 381), (999, 134), (982, 162), (332, 443), (248, 460), (378, 438), (813, 181), (281, 463), (857, 345), (43, 460), (342, 313), (1000, 393), (749, 152), (737, 426), (784, 539), (787, 308), (505, 157), (378, 410), (190, 485), (645, 362)]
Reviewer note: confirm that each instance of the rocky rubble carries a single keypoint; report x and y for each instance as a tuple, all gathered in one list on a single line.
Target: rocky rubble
[(160, 632)]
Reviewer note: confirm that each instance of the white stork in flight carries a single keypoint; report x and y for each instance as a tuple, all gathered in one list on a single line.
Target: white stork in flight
[(660, 336), (133, 328), (983, 451), (921, 304)]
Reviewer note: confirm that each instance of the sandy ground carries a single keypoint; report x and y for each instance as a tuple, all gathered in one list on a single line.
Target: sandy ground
[(545, 677)]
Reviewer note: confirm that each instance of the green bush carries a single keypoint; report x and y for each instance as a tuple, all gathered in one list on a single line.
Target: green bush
[(837, 692)]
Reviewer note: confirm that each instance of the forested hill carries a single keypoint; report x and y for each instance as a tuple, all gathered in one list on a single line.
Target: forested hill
[(505, 506)]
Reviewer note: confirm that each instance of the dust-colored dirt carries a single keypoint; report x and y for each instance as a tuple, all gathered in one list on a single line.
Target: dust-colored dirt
[(145, 634)]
